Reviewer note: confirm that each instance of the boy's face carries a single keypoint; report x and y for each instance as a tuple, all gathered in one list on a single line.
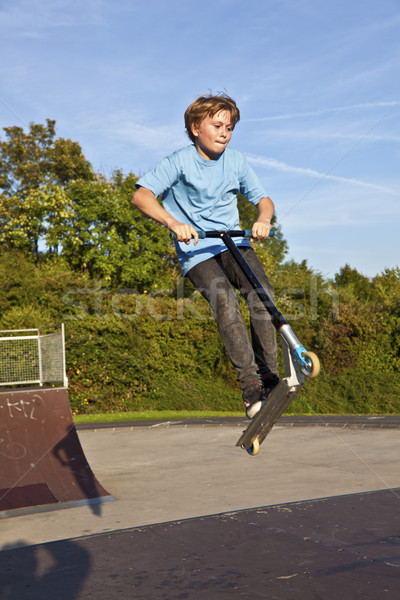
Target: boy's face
[(213, 134)]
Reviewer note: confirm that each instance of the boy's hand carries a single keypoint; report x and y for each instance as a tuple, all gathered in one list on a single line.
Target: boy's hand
[(260, 230), (184, 232)]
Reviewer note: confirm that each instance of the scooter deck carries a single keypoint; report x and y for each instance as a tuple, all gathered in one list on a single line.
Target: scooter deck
[(275, 406)]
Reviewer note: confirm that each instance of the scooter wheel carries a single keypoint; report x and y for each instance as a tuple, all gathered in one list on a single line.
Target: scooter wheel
[(313, 365), (254, 448)]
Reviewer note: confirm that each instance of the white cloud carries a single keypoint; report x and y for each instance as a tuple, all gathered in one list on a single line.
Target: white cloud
[(160, 138), (28, 18), (135, 128), (272, 163), (320, 134)]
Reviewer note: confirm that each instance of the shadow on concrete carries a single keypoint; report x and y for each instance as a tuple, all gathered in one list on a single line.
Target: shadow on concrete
[(69, 453), (56, 570), (340, 547)]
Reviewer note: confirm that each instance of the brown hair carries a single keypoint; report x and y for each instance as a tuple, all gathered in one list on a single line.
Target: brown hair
[(208, 106)]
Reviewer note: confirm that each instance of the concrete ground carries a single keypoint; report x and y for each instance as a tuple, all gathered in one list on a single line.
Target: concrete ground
[(166, 472)]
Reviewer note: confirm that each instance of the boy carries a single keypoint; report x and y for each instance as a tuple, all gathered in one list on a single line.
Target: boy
[(198, 184)]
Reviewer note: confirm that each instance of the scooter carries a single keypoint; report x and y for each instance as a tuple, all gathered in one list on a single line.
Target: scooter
[(298, 362)]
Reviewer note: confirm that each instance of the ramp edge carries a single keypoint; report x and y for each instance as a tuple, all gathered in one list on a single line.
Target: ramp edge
[(29, 510)]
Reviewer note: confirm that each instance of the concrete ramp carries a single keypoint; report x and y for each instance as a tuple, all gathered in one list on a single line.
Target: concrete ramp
[(42, 464)]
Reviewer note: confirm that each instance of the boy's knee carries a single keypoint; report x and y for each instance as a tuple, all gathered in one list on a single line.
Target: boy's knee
[(225, 305)]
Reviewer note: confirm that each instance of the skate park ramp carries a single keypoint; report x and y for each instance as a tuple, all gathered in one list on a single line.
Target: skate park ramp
[(43, 465), (315, 515)]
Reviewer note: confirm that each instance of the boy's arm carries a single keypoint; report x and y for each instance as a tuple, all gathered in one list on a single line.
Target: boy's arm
[(147, 203), (262, 226)]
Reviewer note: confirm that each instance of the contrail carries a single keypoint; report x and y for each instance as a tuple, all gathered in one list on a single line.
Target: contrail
[(323, 111)]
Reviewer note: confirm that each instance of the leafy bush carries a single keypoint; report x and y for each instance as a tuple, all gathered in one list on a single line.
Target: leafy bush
[(161, 350)]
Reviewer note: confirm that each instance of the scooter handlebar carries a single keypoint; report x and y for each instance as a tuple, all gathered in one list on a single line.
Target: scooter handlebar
[(217, 234)]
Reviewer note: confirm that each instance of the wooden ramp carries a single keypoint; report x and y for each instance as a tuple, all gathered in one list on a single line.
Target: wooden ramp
[(42, 463)]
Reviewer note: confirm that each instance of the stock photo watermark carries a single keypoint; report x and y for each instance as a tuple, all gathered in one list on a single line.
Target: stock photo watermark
[(127, 304)]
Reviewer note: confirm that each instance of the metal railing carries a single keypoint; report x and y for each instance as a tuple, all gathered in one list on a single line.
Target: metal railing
[(33, 356)]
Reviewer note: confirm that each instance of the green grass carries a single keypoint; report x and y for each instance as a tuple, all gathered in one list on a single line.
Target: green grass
[(347, 393), (150, 415)]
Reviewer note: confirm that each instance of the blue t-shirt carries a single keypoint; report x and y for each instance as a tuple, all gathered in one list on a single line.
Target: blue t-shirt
[(202, 193)]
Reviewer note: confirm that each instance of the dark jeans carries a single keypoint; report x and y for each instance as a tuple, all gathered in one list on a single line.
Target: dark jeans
[(216, 279)]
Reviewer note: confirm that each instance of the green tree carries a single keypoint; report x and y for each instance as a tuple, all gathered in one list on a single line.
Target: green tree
[(29, 159), (105, 235), (36, 215), (360, 284), (35, 167), (386, 287), (271, 251)]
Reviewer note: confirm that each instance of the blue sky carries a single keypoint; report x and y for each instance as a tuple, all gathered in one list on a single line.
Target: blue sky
[(317, 83)]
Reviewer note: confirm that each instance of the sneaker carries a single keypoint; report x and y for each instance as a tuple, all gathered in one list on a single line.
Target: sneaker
[(253, 399), (270, 381)]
